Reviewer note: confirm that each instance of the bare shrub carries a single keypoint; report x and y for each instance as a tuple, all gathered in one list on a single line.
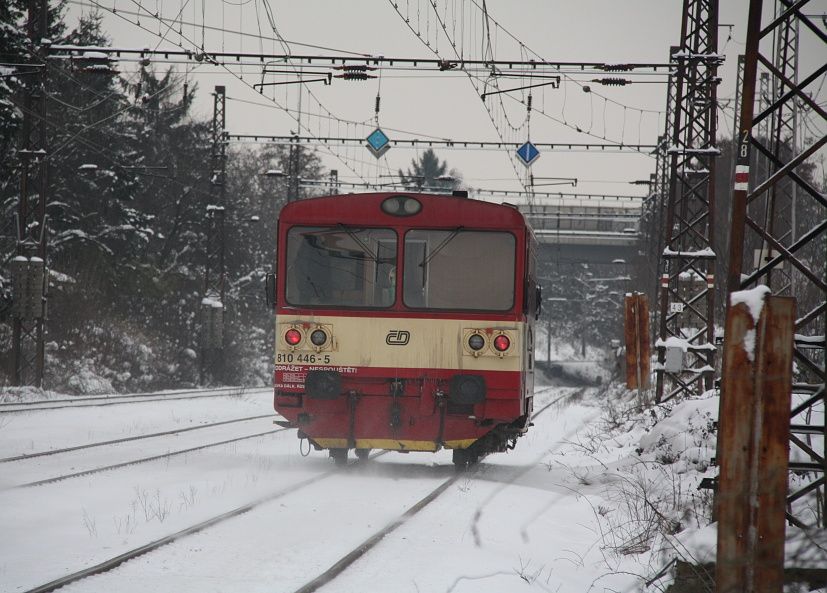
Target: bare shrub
[(90, 524)]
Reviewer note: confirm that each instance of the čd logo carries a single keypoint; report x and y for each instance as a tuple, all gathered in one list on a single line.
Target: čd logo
[(397, 337)]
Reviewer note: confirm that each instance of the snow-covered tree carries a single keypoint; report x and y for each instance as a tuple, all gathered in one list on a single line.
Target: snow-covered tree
[(428, 172)]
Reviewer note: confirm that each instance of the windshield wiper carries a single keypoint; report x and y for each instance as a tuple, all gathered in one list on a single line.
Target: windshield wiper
[(439, 247), (361, 243)]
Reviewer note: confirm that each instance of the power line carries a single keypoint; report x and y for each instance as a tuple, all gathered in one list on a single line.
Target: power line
[(166, 20), (199, 57), (581, 198)]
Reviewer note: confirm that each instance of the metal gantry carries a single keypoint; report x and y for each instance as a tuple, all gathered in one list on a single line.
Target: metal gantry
[(418, 143), (506, 68), (29, 272), (779, 223), (213, 299), (686, 352)]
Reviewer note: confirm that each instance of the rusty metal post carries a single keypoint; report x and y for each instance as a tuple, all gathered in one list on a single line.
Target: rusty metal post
[(743, 149), (779, 217), (636, 333), (754, 436)]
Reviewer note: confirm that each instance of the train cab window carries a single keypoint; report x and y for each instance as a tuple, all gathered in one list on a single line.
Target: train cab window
[(341, 267), (459, 269)]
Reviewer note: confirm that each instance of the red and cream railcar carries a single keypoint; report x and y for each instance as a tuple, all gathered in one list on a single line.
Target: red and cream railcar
[(405, 322)]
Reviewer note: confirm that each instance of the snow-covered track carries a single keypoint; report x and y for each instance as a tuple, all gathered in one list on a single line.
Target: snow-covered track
[(166, 455), (129, 398), (575, 394), (116, 561), (366, 546), (128, 439)]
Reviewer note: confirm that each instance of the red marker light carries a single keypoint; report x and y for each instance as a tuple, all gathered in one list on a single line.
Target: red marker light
[(293, 337), (502, 343)]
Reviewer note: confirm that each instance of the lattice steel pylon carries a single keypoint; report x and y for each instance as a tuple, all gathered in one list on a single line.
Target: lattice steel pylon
[(779, 225), (686, 354), (29, 272), (658, 200), (213, 299)]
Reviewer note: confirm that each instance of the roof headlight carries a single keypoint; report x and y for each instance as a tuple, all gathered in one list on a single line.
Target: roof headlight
[(401, 206)]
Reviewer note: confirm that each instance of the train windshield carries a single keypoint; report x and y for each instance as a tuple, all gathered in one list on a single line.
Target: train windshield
[(341, 267), (459, 269)]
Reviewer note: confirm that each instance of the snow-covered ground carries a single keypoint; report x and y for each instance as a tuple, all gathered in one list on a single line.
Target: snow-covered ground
[(593, 498)]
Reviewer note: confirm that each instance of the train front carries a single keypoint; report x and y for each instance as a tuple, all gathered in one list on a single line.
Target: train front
[(404, 322)]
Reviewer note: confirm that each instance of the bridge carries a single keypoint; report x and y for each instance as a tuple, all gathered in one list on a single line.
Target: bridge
[(587, 231)]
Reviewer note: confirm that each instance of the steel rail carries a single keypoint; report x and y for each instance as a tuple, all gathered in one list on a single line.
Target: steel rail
[(119, 396), (116, 561), (146, 459), (127, 439), (367, 545), (331, 573), (130, 400)]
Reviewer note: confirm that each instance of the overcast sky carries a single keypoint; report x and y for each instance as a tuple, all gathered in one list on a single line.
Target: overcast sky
[(423, 103)]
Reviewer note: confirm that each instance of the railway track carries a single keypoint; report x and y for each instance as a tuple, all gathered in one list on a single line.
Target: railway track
[(129, 439), (116, 561), (366, 546), (131, 398), (165, 455), (315, 583), (169, 454)]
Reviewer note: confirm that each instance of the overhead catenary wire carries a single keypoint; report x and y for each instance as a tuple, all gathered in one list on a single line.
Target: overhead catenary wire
[(240, 78), (317, 115), (500, 119), (102, 151)]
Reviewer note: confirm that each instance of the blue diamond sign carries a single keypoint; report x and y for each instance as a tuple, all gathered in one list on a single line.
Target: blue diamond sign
[(528, 153), (378, 143)]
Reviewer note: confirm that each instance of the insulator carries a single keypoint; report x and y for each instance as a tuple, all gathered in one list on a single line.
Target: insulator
[(613, 81), (354, 68), (529, 102), (377, 105), (354, 76), (617, 67)]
